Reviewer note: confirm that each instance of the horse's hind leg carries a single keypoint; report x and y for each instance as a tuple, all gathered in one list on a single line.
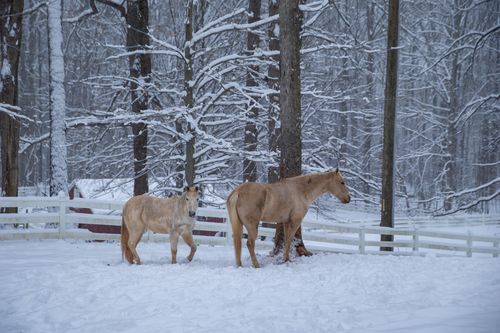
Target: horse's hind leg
[(134, 239), (252, 235), (237, 228), (187, 236)]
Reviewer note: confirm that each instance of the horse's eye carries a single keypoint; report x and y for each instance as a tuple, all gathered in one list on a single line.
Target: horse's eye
[(342, 183), (187, 199)]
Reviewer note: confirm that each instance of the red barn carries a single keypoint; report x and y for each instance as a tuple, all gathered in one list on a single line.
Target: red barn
[(77, 189)]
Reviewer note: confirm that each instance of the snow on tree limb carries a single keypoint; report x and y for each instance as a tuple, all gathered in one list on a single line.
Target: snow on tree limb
[(58, 158), (13, 111)]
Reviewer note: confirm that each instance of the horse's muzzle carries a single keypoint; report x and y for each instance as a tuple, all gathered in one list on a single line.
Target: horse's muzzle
[(347, 200), (192, 214)]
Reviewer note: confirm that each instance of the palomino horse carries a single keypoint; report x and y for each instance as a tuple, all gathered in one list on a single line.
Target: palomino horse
[(286, 201), (174, 215)]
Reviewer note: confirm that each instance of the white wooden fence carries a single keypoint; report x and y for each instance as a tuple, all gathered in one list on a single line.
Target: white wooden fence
[(53, 218)]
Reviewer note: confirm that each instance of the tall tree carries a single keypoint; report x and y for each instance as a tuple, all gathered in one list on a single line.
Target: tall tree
[(290, 21), (273, 75), (250, 136), (387, 212), (370, 82), (136, 15), (140, 76), (442, 106), (190, 171), (10, 46), (453, 105), (57, 94)]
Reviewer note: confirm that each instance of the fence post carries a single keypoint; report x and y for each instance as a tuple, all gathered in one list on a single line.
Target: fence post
[(469, 243), (415, 239), (229, 231), (362, 240), (495, 245), (62, 216)]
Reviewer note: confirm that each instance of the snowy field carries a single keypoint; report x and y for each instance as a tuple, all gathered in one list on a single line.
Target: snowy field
[(64, 286)]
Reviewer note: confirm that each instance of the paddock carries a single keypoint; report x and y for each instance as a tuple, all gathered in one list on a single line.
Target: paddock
[(55, 278), (78, 286)]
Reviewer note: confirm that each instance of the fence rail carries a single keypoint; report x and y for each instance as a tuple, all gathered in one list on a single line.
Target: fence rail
[(55, 218)]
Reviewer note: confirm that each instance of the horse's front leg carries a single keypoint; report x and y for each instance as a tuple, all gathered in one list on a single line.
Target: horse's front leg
[(289, 228), (174, 240), (187, 236)]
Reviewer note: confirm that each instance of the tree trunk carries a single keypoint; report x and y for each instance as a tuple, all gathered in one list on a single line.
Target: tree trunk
[(291, 140), (452, 135), (273, 74), (190, 171), (250, 137), (387, 213), (10, 44), (291, 143), (58, 150), (140, 76), (370, 82), (342, 117), (181, 167)]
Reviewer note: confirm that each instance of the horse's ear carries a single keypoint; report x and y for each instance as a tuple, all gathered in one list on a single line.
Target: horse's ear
[(337, 170), (186, 188), (196, 188)]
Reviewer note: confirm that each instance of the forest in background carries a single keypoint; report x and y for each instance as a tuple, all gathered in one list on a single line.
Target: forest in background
[(216, 122)]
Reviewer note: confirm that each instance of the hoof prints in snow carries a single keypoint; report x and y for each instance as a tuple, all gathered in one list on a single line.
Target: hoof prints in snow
[(58, 286)]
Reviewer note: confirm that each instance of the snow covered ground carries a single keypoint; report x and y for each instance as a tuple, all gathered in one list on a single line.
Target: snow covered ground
[(64, 286)]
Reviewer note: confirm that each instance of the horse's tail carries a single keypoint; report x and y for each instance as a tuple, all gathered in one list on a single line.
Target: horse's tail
[(236, 225), (126, 253)]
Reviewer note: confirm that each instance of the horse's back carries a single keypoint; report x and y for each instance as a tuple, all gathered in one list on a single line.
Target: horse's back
[(141, 208), (251, 191), (265, 202), (134, 204), (251, 198)]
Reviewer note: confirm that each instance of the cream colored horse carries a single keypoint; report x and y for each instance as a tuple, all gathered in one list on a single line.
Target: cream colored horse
[(175, 216), (284, 202)]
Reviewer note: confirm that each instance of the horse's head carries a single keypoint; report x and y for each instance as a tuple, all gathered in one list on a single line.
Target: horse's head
[(191, 197), (337, 187)]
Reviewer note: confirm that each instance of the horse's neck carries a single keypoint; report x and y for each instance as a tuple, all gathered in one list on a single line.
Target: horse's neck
[(312, 186), (179, 202), (173, 203)]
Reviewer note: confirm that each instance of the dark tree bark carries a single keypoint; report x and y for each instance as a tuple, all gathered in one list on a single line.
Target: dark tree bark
[(273, 75), (370, 82), (180, 168), (342, 125), (137, 18), (291, 143), (453, 107), (190, 171), (387, 212), (136, 15), (10, 47), (291, 140), (250, 136)]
